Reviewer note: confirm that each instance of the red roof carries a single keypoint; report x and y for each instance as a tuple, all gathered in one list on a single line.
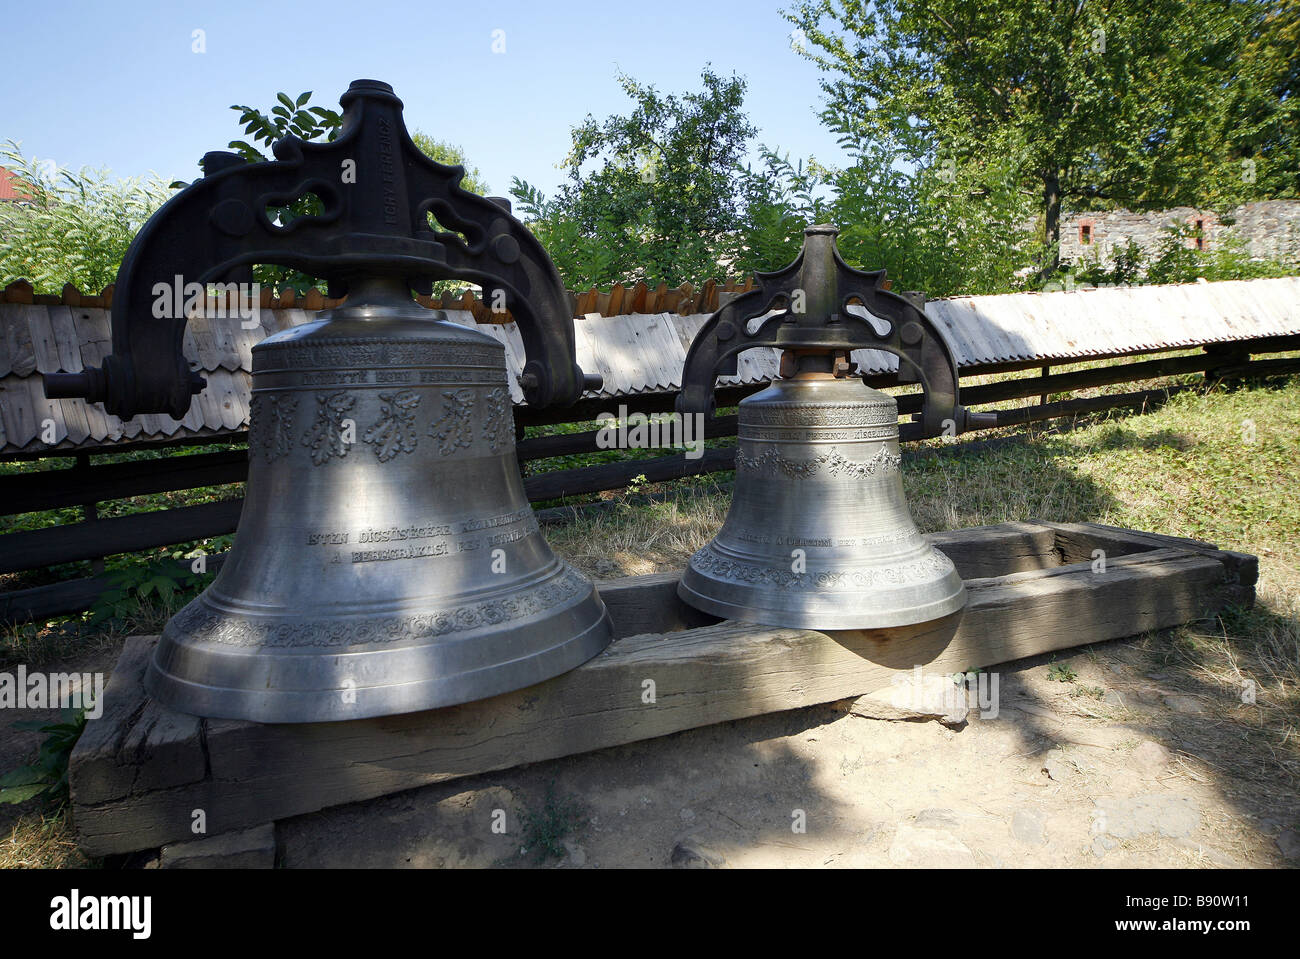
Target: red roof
[(10, 188)]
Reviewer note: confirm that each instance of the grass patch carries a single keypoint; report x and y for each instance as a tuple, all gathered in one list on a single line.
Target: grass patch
[(546, 828), (43, 840)]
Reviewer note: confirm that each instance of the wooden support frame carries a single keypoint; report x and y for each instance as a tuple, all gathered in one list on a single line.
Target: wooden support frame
[(140, 770)]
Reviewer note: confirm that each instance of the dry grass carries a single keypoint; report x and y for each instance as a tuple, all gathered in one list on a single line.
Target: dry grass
[(45, 643), (631, 539), (39, 841)]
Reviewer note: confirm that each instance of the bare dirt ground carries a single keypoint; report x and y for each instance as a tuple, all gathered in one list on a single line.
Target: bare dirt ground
[(1156, 773), (1134, 760)]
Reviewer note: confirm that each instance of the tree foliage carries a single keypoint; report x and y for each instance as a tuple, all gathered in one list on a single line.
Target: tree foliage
[(450, 154), (74, 227), (1085, 103), (651, 194)]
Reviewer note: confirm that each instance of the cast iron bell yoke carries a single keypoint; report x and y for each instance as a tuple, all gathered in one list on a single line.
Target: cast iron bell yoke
[(377, 190), (825, 328)]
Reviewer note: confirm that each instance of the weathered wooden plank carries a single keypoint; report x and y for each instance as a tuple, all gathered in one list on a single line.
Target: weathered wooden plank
[(66, 339), (76, 423), (664, 352), (21, 424), (1083, 379), (18, 353), (246, 849), (44, 341), (33, 549), (656, 402), (100, 773), (52, 489), (615, 305), (1090, 404), (234, 412), (702, 676), (639, 296), (566, 444), (649, 604), (592, 479), (164, 739), (995, 550), (207, 352), (1077, 541)]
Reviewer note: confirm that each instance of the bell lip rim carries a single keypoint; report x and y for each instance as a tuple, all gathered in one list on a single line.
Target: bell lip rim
[(955, 602), (179, 694)]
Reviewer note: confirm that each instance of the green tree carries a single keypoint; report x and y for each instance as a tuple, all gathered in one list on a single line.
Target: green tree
[(943, 230), (449, 154), (289, 116), (1259, 120), (1089, 103), (652, 194), (74, 227), (780, 198)]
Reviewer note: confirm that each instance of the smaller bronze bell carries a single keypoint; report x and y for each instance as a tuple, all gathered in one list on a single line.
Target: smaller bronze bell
[(819, 534)]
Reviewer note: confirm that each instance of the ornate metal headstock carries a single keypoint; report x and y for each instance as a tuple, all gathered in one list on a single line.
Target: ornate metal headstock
[(816, 289), (377, 190)]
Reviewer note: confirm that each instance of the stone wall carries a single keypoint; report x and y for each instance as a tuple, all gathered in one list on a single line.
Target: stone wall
[(1270, 229)]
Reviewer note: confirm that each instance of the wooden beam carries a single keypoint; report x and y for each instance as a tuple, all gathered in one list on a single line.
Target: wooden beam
[(53, 489), (139, 771), (1283, 366), (658, 402), (663, 402), (1079, 543), (1085, 379), (594, 479), (567, 444), (33, 549), (50, 490), (1092, 404)]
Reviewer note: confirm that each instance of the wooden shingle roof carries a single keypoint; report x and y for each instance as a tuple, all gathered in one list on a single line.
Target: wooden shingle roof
[(635, 353)]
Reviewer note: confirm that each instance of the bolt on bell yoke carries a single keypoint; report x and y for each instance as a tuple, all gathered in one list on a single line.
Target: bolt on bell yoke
[(387, 559), (819, 534)]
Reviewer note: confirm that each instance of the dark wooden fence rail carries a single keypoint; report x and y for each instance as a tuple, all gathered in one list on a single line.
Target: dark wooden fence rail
[(635, 296), (86, 485)]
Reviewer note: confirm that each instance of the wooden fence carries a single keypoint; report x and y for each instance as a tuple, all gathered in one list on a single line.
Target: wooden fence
[(86, 484), (621, 299)]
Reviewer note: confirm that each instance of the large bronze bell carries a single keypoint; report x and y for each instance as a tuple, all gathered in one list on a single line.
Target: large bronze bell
[(819, 534), (387, 559)]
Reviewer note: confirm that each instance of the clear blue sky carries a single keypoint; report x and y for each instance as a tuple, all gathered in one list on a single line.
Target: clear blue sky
[(116, 85)]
